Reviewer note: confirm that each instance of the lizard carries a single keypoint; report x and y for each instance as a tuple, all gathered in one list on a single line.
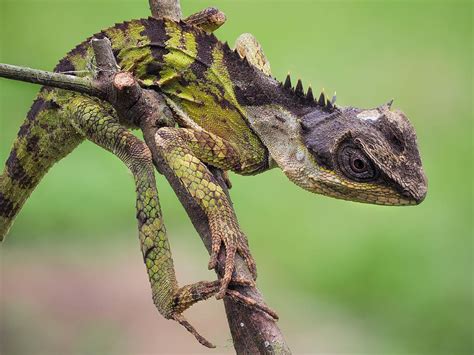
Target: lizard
[(230, 114)]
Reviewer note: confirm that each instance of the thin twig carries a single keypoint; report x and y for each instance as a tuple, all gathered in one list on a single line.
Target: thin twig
[(57, 80)]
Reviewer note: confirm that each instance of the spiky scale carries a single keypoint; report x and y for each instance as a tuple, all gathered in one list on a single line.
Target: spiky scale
[(386, 106), (309, 94), (287, 84), (329, 106), (389, 104), (322, 99), (299, 88)]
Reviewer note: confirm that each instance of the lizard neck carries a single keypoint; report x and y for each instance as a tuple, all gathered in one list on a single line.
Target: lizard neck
[(280, 131)]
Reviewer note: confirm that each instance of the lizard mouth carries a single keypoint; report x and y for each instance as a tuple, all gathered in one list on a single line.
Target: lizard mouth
[(417, 195)]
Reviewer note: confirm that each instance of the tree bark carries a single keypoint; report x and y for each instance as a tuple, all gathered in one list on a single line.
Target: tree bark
[(166, 8)]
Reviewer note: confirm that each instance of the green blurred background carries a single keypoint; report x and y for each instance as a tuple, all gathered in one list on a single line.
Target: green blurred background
[(344, 277)]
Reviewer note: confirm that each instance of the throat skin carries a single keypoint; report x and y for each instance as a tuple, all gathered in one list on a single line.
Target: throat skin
[(280, 131)]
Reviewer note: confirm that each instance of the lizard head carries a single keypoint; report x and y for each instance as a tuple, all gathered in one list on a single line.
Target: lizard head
[(362, 155)]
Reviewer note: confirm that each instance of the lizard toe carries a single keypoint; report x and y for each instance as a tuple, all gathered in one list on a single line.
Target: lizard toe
[(252, 304), (244, 251), (215, 247), (229, 268), (181, 320)]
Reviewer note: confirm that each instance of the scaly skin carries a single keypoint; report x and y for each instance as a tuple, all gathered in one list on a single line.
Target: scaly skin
[(232, 115), (186, 151)]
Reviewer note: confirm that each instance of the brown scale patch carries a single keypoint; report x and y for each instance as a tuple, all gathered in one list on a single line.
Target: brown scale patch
[(7, 207), (24, 129), (142, 218), (17, 173), (30, 117), (123, 27), (65, 65), (154, 68), (51, 105), (205, 46), (32, 144), (219, 99), (156, 32), (37, 105)]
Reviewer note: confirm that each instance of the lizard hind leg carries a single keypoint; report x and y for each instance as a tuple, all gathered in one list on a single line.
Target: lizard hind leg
[(186, 151), (44, 138)]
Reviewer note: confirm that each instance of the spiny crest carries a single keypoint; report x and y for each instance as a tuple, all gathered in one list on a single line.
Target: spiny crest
[(323, 101)]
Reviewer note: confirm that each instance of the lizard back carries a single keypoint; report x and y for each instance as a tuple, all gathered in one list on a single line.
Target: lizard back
[(191, 67)]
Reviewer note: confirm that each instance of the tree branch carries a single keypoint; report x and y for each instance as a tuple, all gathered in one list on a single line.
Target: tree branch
[(166, 8), (104, 57), (252, 330)]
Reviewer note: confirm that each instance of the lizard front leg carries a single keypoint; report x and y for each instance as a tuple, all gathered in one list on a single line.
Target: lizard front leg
[(186, 151)]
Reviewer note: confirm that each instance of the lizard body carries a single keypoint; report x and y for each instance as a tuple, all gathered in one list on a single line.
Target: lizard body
[(232, 115)]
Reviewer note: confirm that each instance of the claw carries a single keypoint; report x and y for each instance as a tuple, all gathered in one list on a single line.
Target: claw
[(243, 282), (212, 261), (216, 245), (249, 261), (229, 268), (181, 320), (251, 303)]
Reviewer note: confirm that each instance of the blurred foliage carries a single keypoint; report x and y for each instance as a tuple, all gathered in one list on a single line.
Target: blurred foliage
[(406, 273)]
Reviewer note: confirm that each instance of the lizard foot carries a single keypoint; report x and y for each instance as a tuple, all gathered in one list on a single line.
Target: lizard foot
[(234, 241), (186, 296)]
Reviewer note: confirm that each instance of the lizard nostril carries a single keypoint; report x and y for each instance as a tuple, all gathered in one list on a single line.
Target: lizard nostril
[(407, 193), (421, 198)]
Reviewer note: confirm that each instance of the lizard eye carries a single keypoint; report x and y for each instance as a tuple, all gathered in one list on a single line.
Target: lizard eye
[(354, 164)]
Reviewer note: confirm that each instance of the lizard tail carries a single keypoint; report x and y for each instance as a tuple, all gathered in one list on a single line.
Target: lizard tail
[(44, 138), (47, 135)]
